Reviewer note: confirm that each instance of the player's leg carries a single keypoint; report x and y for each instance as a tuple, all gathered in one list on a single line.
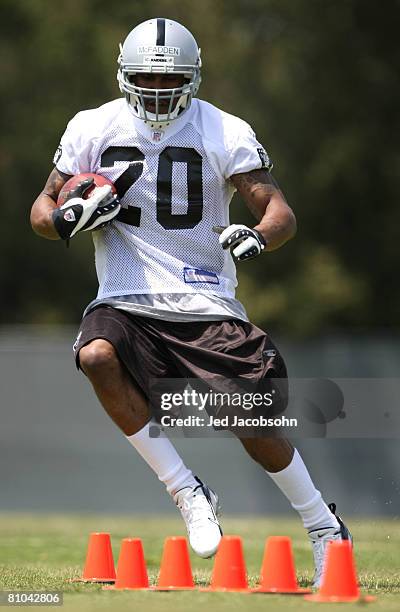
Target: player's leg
[(126, 404), (286, 468), (121, 399), (283, 463)]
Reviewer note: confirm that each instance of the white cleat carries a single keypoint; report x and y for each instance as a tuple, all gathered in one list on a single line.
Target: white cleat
[(199, 507), (319, 539)]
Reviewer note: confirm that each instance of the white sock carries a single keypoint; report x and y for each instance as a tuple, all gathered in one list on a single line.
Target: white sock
[(295, 482), (161, 456)]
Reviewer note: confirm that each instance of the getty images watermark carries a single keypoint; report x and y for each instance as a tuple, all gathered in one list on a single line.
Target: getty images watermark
[(220, 410), (298, 408)]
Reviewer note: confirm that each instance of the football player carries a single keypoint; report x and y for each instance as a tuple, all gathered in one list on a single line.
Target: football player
[(165, 255)]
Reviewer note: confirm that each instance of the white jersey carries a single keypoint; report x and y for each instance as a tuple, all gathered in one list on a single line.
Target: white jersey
[(174, 188)]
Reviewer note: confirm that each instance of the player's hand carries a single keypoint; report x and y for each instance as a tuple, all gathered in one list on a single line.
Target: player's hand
[(244, 242), (79, 215)]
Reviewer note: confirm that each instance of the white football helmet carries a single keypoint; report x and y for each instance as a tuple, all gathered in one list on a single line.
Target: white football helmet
[(159, 46)]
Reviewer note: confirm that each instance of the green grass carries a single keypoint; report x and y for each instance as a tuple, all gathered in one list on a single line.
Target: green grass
[(44, 552)]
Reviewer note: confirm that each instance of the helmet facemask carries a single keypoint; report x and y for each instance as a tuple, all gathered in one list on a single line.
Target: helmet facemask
[(179, 99)]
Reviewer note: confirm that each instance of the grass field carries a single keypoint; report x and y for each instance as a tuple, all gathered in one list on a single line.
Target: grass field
[(43, 552)]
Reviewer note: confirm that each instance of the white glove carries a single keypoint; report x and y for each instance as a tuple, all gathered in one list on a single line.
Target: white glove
[(244, 242), (80, 215)]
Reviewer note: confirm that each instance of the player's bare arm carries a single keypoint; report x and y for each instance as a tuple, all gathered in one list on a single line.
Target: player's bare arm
[(265, 200), (45, 203)]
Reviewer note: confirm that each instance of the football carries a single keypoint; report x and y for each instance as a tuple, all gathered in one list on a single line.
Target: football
[(99, 181)]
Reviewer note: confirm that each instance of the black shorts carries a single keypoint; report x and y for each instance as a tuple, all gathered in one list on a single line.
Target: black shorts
[(211, 351)]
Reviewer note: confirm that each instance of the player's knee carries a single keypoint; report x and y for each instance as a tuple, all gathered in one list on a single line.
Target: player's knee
[(97, 356)]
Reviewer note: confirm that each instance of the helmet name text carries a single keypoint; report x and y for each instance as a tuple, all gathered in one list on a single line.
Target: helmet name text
[(159, 49)]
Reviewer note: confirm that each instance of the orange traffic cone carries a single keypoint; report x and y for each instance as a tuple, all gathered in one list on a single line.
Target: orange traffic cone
[(175, 570), (277, 570), (131, 568), (99, 566), (229, 572), (339, 582)]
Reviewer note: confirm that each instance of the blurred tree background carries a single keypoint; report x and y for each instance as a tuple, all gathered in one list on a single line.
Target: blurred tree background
[(317, 80)]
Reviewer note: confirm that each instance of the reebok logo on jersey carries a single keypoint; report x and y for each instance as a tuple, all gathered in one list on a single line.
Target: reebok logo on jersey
[(149, 49), (193, 275)]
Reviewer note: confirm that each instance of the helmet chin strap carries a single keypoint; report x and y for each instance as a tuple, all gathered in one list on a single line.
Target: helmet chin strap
[(160, 127), (154, 124)]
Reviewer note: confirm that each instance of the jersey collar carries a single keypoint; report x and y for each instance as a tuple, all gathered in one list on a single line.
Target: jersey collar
[(159, 136)]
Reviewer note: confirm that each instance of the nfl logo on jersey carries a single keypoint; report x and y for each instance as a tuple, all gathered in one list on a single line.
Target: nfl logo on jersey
[(156, 136)]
